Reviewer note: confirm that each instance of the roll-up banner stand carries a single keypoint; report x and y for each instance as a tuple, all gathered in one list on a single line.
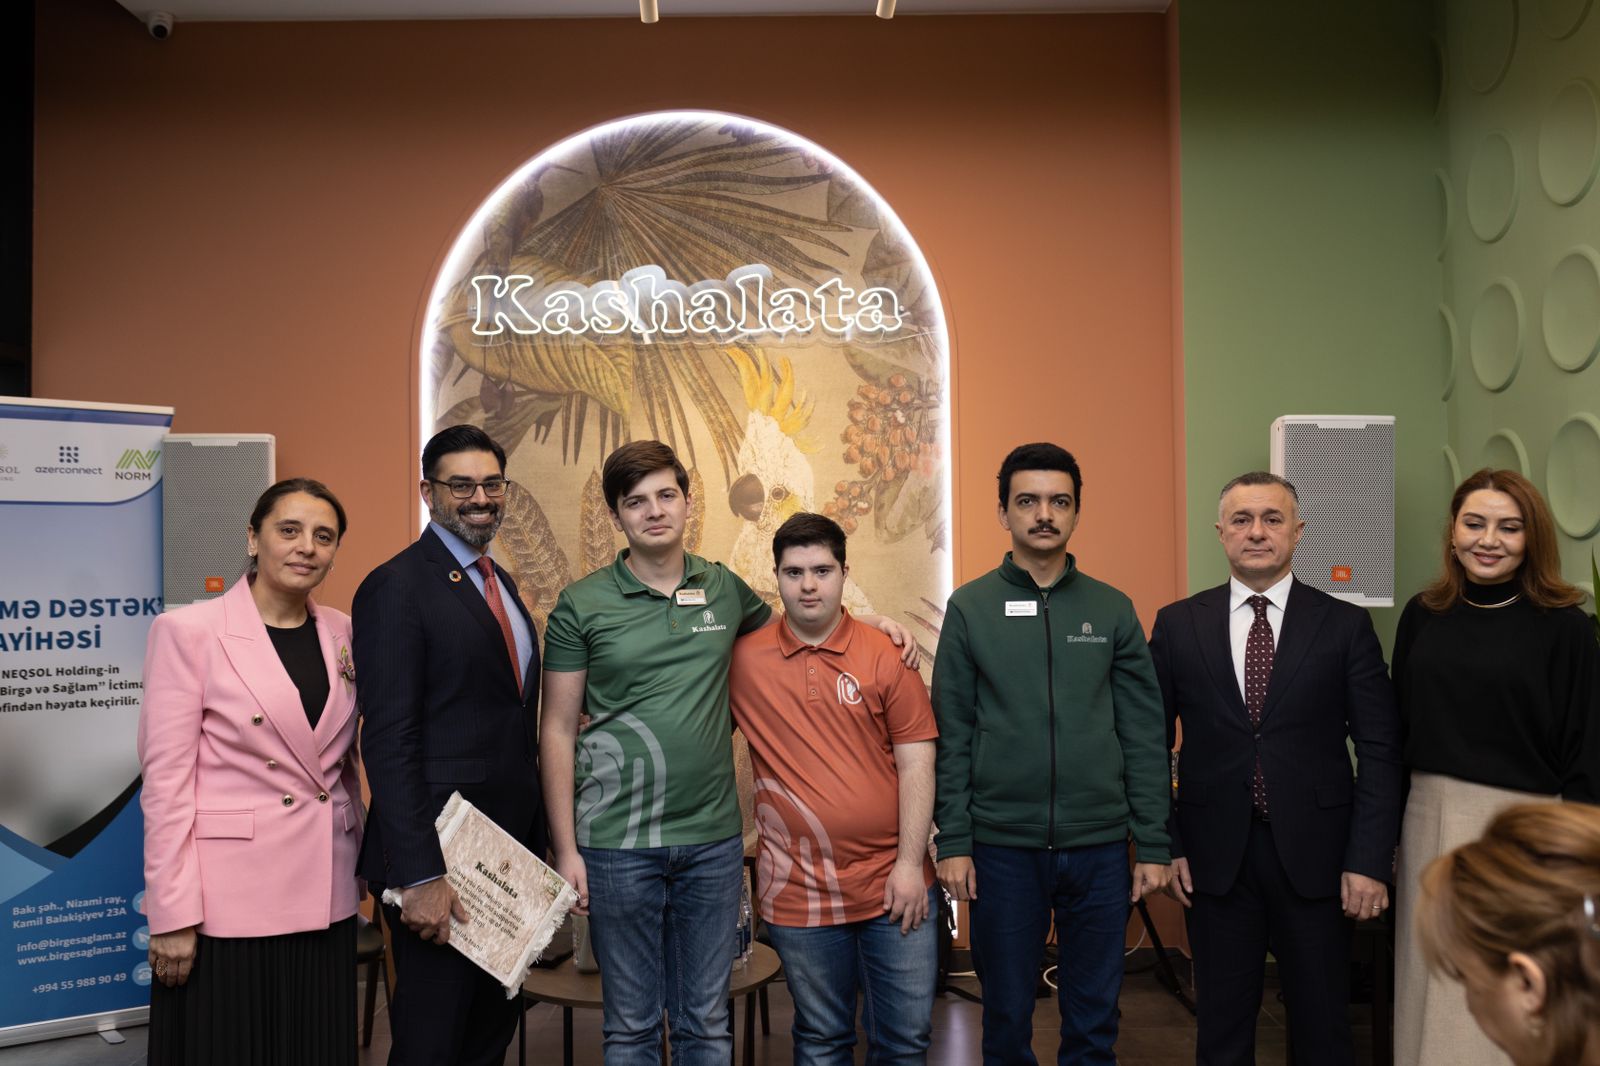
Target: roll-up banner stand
[(80, 583)]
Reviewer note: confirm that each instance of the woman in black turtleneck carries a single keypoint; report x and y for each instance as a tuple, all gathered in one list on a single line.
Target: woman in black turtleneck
[(1497, 672)]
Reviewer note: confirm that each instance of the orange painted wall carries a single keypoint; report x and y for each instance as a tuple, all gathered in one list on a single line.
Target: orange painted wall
[(243, 222)]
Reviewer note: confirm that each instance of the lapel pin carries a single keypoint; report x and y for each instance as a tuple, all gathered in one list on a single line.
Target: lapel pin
[(455, 575)]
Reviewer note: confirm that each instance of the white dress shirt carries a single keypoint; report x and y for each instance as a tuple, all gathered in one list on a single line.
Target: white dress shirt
[(1241, 615)]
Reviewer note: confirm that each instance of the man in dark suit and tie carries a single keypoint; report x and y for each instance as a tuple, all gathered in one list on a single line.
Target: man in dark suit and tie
[(448, 662), (1275, 843)]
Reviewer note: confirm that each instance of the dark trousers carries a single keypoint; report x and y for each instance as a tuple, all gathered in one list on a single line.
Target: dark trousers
[(1230, 936), (1019, 889), (446, 1011)]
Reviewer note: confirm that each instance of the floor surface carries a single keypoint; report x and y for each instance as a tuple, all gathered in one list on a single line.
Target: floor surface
[(1156, 1031)]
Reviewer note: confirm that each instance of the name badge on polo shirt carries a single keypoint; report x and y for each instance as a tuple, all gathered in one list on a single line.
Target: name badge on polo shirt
[(1022, 608), (690, 597)]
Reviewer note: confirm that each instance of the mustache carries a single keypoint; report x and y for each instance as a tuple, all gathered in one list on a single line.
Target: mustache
[(1044, 527)]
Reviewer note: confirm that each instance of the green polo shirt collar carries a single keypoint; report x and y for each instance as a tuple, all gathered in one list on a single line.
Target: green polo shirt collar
[(694, 570)]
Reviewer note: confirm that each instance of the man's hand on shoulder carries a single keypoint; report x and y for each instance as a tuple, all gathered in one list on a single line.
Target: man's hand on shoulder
[(1363, 897), (909, 653), (1148, 879), (959, 877), (905, 897), (426, 909)]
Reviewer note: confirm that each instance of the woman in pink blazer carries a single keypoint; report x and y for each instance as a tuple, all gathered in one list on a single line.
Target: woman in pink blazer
[(252, 815)]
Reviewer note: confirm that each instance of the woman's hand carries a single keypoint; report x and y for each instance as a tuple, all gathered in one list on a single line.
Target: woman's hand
[(172, 955)]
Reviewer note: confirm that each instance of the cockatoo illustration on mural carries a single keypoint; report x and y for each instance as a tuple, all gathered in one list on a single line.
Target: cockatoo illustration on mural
[(773, 477)]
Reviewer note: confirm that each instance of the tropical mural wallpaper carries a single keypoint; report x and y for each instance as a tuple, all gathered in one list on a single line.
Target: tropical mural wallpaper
[(734, 291)]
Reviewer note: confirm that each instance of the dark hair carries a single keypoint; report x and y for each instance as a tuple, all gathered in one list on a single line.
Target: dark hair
[(1539, 576), (1257, 477), (804, 530), (462, 438), (1521, 887), (288, 487), (635, 461), (1040, 457)]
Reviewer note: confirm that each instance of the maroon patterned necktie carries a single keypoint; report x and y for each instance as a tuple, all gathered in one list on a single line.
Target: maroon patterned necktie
[(1257, 673), (491, 592)]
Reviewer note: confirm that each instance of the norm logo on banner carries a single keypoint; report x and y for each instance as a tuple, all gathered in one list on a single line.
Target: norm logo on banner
[(137, 459), (137, 465)]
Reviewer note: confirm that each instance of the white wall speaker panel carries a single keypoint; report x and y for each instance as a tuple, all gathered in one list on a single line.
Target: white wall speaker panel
[(1343, 468), (210, 483)]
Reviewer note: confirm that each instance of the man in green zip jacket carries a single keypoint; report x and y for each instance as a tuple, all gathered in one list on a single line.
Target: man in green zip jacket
[(1052, 754)]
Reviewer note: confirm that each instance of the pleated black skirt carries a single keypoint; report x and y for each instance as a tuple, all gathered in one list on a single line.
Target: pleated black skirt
[(261, 1001)]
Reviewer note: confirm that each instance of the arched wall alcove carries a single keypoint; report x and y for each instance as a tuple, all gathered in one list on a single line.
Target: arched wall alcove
[(734, 290)]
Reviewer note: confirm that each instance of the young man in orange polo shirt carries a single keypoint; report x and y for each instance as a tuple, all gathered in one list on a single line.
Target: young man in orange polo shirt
[(841, 736)]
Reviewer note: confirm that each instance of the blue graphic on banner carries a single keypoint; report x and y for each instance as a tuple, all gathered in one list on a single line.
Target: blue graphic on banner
[(23, 863), (76, 936), (80, 583)]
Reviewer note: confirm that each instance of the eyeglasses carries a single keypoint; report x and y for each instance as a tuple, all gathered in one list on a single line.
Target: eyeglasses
[(465, 490)]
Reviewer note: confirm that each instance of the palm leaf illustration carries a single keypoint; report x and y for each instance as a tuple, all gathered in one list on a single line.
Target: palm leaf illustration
[(684, 196)]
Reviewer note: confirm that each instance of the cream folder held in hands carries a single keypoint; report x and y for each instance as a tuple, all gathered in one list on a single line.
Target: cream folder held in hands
[(514, 901)]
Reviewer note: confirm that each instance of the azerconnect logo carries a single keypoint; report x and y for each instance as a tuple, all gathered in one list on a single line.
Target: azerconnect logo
[(136, 465)]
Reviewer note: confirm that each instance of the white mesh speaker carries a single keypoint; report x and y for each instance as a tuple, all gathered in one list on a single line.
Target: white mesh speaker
[(1343, 468), (209, 483)]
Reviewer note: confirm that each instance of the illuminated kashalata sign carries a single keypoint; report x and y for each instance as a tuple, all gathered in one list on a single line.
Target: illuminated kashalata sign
[(734, 290), (644, 304)]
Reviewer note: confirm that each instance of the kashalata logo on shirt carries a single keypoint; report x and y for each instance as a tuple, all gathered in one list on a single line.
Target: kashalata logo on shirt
[(711, 625), (1086, 636)]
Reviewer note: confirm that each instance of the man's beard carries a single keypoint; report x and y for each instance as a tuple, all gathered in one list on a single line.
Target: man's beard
[(478, 536)]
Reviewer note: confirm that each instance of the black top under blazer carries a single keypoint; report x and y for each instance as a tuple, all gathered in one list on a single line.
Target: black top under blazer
[(1328, 683), (441, 712)]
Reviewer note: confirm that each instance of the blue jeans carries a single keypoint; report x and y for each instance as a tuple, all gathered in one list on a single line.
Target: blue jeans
[(1018, 889), (896, 974), (663, 921)]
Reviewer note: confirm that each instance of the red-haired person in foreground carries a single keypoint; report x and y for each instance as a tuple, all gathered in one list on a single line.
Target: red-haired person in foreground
[(1513, 917)]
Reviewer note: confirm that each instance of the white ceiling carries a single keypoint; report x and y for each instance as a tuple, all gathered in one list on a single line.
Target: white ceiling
[(354, 10)]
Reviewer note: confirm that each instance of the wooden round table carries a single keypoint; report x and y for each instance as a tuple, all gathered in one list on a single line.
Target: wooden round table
[(564, 987)]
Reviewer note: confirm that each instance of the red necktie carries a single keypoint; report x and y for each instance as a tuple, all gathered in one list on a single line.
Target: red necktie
[(1257, 673), (491, 592)]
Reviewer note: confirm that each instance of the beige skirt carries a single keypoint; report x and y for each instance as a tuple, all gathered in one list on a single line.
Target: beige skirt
[(1432, 1026)]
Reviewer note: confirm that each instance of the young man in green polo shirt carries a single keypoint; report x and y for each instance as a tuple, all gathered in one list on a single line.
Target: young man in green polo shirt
[(644, 816), (645, 822)]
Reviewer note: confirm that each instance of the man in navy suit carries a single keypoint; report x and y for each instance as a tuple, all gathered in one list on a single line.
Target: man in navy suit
[(1275, 843), (448, 662)]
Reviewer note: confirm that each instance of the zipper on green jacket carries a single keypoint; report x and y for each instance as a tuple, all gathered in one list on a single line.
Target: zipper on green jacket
[(1050, 697)]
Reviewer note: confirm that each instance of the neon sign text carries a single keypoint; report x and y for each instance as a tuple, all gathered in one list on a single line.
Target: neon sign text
[(645, 303)]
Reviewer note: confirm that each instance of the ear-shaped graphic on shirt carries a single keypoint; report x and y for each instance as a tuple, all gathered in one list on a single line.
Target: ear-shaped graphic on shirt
[(795, 847), (599, 764), (615, 764)]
